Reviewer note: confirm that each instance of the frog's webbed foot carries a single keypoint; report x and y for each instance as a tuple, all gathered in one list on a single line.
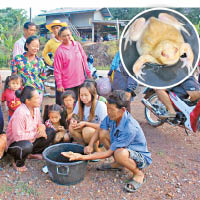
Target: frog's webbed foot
[(169, 19), (134, 31), (140, 64), (188, 60)]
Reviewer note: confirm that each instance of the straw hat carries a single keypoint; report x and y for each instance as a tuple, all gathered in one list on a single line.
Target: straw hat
[(56, 23)]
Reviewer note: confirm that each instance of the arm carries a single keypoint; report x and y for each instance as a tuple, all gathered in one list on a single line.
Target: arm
[(42, 70), (89, 149), (89, 124), (97, 155), (45, 55), (58, 65), (14, 66)]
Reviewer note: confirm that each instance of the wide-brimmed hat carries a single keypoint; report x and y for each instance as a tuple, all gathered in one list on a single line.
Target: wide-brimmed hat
[(56, 23)]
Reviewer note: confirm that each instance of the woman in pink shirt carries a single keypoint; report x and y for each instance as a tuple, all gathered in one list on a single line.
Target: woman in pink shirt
[(69, 63), (26, 135)]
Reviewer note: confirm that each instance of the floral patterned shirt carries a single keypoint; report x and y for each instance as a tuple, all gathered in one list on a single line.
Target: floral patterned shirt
[(33, 73)]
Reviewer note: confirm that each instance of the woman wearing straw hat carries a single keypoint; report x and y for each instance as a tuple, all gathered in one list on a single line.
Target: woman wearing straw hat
[(53, 43)]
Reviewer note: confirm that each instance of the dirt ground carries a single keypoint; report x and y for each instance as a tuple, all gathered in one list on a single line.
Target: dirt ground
[(174, 173)]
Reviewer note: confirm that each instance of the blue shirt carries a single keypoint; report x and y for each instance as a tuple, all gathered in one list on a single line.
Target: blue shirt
[(128, 134)]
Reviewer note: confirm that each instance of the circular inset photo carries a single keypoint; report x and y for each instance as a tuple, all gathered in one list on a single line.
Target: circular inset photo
[(159, 48)]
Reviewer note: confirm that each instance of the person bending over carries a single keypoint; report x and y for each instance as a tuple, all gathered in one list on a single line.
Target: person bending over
[(123, 138)]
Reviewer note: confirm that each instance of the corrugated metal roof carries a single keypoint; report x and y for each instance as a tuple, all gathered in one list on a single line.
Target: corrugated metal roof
[(58, 11)]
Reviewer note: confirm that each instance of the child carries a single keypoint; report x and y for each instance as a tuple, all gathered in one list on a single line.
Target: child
[(123, 138), (56, 122), (68, 101), (12, 84)]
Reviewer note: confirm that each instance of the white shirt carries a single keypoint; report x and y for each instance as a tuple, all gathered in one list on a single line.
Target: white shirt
[(19, 46), (100, 112)]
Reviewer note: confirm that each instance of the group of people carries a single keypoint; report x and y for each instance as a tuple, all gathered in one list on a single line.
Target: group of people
[(79, 114)]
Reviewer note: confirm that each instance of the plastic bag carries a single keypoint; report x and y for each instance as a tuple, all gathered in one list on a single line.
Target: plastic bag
[(103, 86)]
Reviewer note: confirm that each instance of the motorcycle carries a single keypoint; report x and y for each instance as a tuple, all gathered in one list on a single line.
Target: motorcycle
[(187, 112)]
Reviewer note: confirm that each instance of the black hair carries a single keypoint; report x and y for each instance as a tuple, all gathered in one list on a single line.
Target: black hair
[(54, 108), (26, 93), (29, 40), (27, 24), (63, 29), (119, 98), (11, 78), (68, 93)]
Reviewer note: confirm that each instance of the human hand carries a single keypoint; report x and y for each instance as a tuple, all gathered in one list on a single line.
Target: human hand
[(88, 149), (61, 89), (42, 131), (80, 125), (61, 128), (72, 156), (128, 94)]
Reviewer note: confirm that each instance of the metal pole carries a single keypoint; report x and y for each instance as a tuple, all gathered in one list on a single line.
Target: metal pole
[(30, 15), (117, 29)]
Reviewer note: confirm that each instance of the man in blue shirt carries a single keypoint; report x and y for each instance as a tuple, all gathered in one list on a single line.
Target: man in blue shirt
[(123, 138)]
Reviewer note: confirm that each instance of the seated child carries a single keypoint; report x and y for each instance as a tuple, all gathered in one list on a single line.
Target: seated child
[(123, 138), (68, 103), (12, 84), (53, 119)]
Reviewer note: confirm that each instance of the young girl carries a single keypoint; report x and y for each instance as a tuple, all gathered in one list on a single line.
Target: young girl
[(91, 112), (12, 84), (56, 122), (68, 101)]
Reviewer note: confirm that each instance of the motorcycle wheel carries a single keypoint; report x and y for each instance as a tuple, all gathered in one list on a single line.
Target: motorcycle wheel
[(49, 85), (151, 118)]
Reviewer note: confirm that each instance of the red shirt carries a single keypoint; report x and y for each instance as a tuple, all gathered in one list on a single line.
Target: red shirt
[(12, 101)]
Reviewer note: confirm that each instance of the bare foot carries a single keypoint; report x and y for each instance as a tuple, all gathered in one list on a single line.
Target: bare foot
[(35, 156), (19, 169)]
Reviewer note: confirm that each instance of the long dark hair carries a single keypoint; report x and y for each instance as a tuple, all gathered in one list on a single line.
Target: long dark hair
[(92, 89), (29, 40), (11, 78), (26, 93)]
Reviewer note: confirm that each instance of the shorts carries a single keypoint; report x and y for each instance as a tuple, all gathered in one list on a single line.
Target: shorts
[(190, 84), (138, 158)]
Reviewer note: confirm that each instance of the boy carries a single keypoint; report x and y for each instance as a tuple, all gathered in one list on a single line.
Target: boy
[(126, 141)]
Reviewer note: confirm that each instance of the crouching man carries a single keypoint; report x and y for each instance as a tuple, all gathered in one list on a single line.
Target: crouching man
[(123, 138)]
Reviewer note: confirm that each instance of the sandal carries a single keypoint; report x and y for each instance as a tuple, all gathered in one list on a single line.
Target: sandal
[(108, 167), (134, 185)]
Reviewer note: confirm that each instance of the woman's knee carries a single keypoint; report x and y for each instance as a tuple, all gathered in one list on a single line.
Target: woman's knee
[(103, 134), (22, 147), (87, 133)]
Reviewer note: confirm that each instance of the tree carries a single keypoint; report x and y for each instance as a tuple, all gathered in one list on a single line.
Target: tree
[(11, 27)]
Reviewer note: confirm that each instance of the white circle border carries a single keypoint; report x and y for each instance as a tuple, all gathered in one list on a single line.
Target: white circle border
[(125, 29)]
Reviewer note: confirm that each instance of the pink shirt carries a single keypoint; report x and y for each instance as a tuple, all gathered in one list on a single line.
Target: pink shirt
[(68, 66), (22, 126)]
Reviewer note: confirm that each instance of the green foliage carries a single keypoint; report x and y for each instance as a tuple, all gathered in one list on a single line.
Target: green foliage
[(11, 28), (125, 13), (43, 40)]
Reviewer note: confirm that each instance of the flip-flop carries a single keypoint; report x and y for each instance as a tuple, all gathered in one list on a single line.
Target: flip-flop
[(107, 167), (135, 185)]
